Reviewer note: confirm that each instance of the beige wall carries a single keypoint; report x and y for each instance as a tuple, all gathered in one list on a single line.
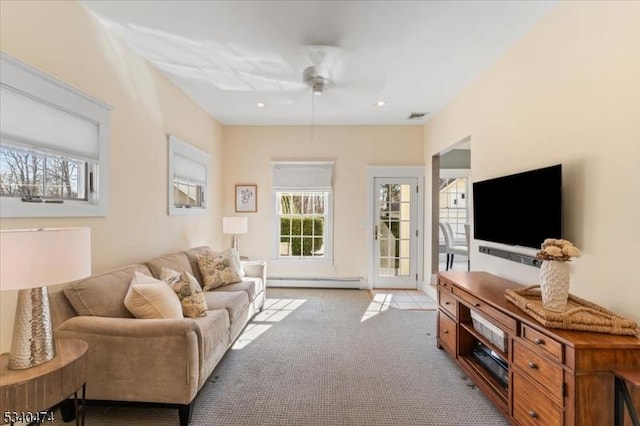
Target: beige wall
[(568, 92), (248, 152), (63, 40)]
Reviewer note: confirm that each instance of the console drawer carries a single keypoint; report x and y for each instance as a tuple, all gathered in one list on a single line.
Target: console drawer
[(531, 407), (490, 312), (447, 332), (447, 302), (540, 369), (444, 284), (548, 345)]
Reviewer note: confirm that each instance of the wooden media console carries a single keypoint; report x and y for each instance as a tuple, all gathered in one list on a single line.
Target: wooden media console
[(543, 376)]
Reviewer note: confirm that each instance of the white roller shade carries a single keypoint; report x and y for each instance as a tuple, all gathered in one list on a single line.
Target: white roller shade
[(187, 168), (39, 124), (308, 176)]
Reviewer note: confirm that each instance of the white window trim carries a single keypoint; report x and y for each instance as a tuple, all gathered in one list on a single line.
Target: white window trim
[(328, 238), (30, 81), (178, 146)]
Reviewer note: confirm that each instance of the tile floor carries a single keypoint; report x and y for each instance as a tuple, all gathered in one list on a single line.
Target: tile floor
[(403, 299)]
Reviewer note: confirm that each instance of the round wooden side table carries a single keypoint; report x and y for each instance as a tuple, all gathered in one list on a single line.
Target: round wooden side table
[(27, 395)]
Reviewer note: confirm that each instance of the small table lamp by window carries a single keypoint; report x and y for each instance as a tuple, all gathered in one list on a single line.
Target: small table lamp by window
[(235, 225), (31, 259)]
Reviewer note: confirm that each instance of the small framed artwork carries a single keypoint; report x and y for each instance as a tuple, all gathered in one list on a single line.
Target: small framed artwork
[(246, 198)]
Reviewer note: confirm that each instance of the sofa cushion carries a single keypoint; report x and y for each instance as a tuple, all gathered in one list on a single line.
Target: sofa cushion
[(176, 261), (103, 294), (250, 285), (188, 290), (235, 302), (149, 298), (193, 255), (213, 341), (217, 271)]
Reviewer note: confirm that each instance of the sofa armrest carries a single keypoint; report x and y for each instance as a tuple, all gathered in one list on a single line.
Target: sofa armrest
[(256, 268), (128, 327), (138, 359)]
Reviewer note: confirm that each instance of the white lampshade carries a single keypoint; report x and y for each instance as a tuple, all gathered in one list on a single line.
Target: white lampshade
[(31, 258), (235, 225)]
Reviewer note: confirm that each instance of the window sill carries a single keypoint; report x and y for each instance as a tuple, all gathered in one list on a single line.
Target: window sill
[(17, 208)]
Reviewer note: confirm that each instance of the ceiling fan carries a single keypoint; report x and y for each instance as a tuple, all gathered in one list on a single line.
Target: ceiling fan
[(317, 75)]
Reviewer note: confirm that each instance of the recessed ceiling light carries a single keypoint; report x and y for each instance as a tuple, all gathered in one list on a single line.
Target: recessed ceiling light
[(380, 104), (261, 105)]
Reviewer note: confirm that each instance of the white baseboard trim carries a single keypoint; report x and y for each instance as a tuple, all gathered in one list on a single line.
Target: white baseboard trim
[(430, 290)]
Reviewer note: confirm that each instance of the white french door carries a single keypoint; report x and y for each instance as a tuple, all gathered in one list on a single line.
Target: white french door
[(396, 232)]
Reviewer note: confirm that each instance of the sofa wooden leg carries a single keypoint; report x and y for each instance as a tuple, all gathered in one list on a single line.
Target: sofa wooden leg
[(184, 412)]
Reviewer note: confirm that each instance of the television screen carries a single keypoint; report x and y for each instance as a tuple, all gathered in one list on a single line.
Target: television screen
[(521, 209)]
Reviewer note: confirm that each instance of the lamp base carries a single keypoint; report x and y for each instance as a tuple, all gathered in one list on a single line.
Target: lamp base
[(234, 243), (32, 342)]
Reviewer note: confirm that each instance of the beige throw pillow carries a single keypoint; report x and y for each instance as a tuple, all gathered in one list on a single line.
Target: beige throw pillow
[(148, 298), (217, 271), (234, 257), (188, 290)]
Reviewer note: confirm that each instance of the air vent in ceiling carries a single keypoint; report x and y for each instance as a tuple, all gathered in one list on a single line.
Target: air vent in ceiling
[(416, 115)]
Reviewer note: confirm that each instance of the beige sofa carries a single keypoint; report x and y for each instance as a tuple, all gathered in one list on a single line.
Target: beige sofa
[(159, 361)]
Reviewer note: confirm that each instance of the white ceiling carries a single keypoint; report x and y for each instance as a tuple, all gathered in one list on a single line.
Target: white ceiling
[(230, 55)]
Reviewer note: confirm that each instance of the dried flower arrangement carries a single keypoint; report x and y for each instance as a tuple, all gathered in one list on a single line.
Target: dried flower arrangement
[(562, 250)]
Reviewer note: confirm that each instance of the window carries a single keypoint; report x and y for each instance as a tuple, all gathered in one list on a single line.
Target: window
[(33, 175), (304, 218), (302, 222), (188, 177), (53, 146)]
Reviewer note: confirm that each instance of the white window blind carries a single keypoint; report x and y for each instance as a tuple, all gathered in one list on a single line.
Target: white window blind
[(57, 130), (307, 176), (187, 168)]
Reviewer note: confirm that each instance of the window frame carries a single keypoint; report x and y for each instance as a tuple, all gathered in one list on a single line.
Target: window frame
[(177, 146), (28, 81), (328, 228)]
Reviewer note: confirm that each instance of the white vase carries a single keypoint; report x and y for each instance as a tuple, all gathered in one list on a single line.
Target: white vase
[(554, 285)]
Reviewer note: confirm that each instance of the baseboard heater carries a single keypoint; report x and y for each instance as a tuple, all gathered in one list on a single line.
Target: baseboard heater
[(317, 282)]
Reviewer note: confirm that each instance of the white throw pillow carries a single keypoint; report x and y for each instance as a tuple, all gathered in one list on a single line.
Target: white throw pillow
[(149, 298), (234, 257)]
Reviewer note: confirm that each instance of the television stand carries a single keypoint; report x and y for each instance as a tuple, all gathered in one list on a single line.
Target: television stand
[(554, 377)]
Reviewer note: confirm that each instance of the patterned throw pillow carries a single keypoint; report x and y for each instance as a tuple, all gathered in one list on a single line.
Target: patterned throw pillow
[(149, 298), (188, 290), (217, 271)]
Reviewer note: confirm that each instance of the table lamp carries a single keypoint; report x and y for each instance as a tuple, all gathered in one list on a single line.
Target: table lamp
[(235, 225), (30, 260)]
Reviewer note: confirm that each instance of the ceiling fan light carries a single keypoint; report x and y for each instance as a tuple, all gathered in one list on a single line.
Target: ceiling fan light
[(380, 104), (261, 105), (318, 86)]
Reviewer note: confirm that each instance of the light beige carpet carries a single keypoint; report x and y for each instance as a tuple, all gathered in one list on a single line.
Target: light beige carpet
[(323, 357)]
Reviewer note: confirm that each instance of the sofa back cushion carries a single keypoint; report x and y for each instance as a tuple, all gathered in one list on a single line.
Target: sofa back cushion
[(177, 261), (103, 294)]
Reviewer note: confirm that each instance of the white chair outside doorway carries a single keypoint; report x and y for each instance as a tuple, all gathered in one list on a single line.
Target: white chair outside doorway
[(451, 249)]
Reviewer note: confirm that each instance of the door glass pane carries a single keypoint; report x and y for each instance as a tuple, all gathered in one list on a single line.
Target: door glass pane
[(394, 229)]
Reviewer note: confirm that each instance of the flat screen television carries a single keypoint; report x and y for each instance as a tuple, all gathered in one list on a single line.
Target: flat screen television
[(522, 209)]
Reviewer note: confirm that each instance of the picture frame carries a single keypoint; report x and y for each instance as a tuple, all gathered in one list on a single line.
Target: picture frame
[(246, 198)]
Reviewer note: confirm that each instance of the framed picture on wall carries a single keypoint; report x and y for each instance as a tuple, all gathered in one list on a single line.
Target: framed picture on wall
[(246, 198)]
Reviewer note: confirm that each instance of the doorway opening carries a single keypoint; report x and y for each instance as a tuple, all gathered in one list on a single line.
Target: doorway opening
[(451, 227)]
